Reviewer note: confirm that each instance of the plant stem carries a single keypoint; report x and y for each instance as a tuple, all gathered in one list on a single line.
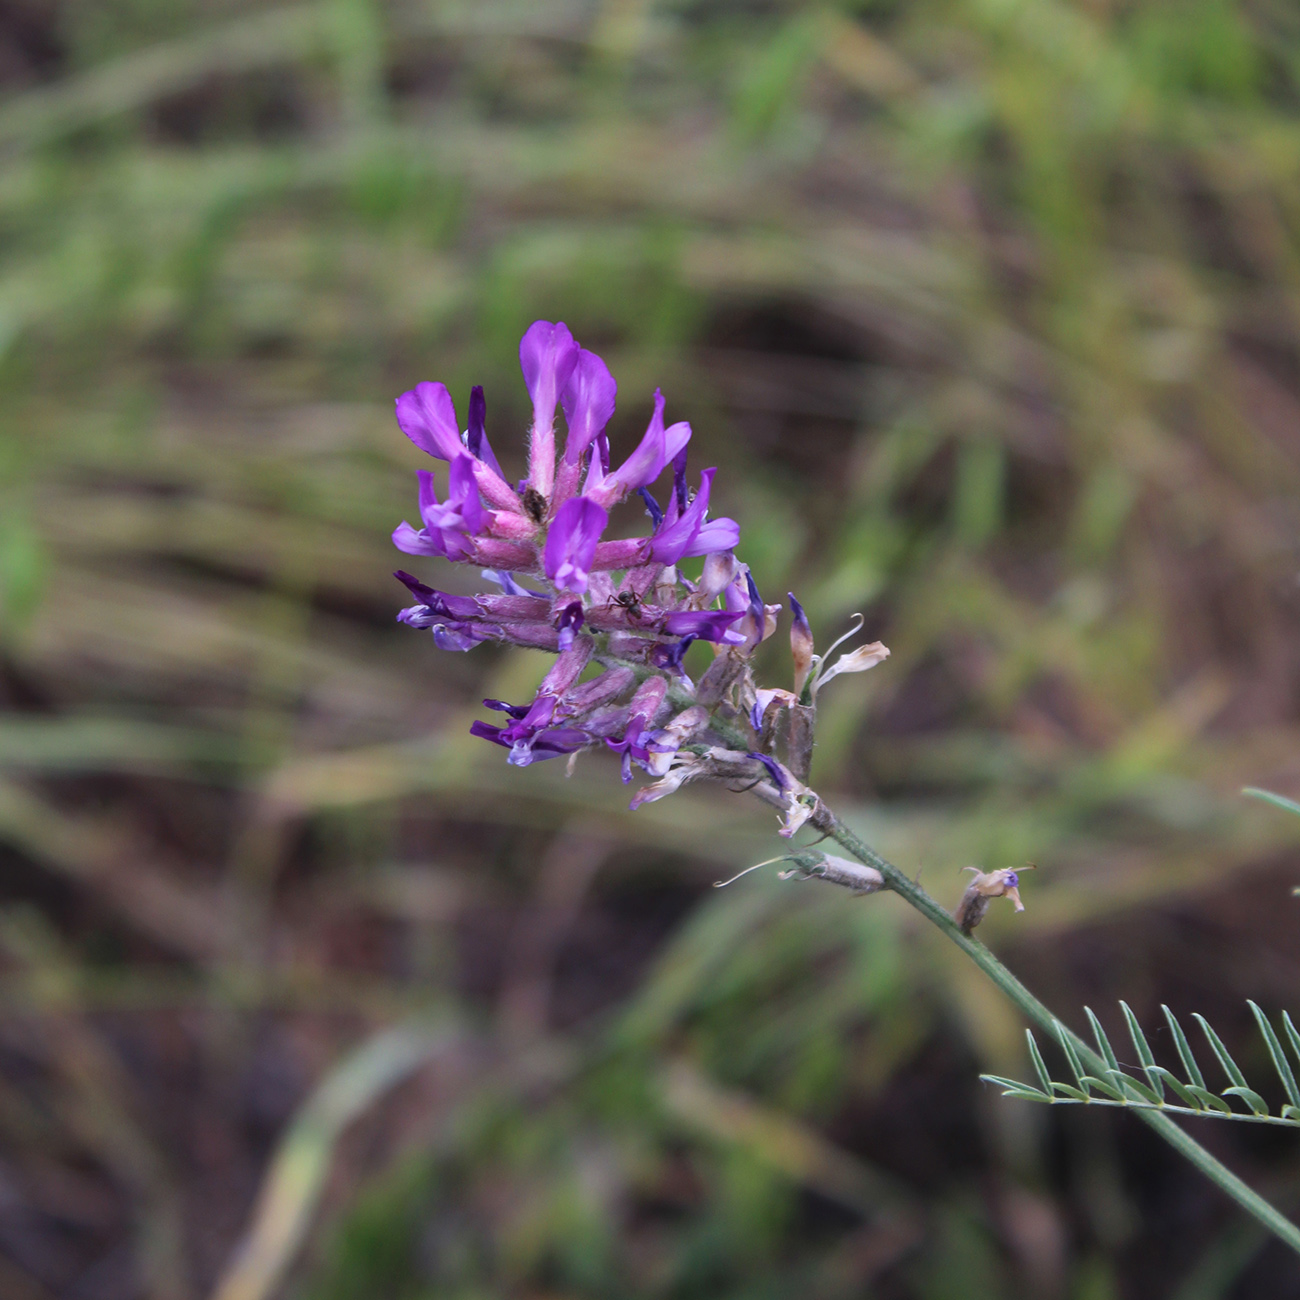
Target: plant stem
[(1249, 1200)]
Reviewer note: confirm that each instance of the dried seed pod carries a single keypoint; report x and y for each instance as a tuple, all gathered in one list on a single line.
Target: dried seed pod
[(837, 871)]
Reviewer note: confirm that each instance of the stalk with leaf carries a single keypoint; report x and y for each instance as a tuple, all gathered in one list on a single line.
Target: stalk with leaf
[(621, 617)]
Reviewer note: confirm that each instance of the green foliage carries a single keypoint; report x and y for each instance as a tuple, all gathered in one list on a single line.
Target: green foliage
[(1159, 1088)]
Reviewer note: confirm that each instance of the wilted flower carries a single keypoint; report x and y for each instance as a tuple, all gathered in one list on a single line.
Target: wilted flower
[(984, 886)]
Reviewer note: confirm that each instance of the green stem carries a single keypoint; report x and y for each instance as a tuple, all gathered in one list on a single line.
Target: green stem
[(1249, 1200)]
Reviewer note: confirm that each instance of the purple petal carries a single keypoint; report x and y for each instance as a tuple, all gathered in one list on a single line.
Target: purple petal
[(440, 602), (428, 497), (569, 623), (676, 436), (588, 401), (672, 541), (679, 477), (476, 435), (706, 625), (463, 489), (571, 543), (646, 463), (407, 539), (455, 636), (486, 731), (669, 657), (428, 417), (775, 770), (552, 743), (714, 535), (652, 507), (425, 595), (514, 710), (547, 355), (657, 447)]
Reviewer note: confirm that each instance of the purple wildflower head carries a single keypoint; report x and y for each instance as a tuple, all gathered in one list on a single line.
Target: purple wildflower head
[(562, 586)]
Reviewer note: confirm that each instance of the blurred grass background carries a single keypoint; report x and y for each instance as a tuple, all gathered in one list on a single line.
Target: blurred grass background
[(989, 310)]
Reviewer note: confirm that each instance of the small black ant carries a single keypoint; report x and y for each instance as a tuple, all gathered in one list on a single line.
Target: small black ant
[(630, 602)]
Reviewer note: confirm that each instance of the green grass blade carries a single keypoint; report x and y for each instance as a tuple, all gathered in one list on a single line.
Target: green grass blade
[(1278, 800), (1280, 1063), (1103, 1043), (1230, 1067), (1143, 1049), (1194, 1075), (1040, 1066)]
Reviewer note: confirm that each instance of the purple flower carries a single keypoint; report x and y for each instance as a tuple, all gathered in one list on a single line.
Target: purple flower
[(588, 401), (549, 743), (636, 744), (462, 636), (571, 543), (645, 464), (688, 531), (669, 658), (704, 624), (529, 735), (447, 526), (462, 512), (569, 623), (547, 355), (550, 527), (456, 621), (506, 582), (428, 417), (438, 602)]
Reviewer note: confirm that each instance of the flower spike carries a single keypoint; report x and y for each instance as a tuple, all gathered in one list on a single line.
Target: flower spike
[(559, 585)]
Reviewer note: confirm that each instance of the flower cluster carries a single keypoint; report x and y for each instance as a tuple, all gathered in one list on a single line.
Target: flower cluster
[(618, 613)]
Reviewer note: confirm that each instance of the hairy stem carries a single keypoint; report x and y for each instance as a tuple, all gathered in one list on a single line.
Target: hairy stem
[(1251, 1201)]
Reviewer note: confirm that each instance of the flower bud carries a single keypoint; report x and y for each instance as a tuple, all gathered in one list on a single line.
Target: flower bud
[(801, 645)]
